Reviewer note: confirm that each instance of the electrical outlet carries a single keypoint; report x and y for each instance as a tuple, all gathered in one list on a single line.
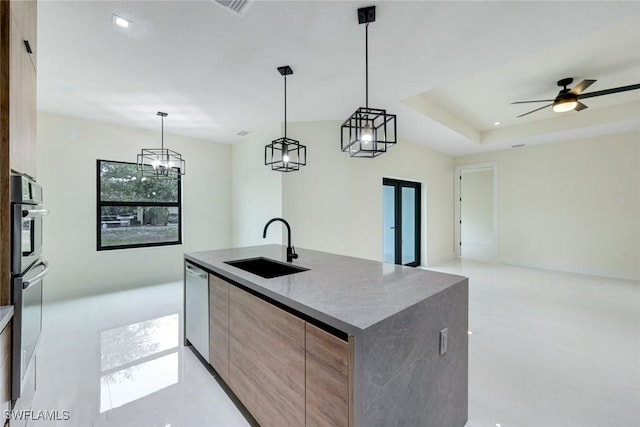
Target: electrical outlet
[(444, 337)]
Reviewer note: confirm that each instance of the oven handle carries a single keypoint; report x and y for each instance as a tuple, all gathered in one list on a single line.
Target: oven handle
[(32, 213), (26, 284)]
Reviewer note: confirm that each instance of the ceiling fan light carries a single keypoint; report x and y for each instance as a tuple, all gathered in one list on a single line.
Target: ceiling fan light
[(565, 105)]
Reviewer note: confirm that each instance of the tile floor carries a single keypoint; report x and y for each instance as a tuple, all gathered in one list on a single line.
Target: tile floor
[(547, 349)]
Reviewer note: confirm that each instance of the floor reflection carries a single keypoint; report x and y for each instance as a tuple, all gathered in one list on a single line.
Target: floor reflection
[(135, 382), (138, 359)]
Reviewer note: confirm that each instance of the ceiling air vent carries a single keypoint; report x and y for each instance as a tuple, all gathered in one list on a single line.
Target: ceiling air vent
[(236, 6)]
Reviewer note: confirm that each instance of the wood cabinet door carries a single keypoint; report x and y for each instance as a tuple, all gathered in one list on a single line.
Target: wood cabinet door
[(22, 105), (242, 352), (328, 372), (280, 379), (25, 14), (287, 372), (219, 326)]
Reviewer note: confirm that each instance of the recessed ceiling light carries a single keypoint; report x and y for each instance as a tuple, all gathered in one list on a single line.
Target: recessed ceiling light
[(517, 146), (496, 123), (243, 133), (120, 21), (469, 333)]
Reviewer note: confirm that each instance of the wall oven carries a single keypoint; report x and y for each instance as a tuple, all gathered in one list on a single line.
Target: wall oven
[(28, 269), (27, 213)]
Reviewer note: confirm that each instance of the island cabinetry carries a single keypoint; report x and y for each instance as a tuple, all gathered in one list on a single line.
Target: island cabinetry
[(267, 360), (328, 382), (280, 383), (219, 326), (286, 371), (348, 342), (242, 351)]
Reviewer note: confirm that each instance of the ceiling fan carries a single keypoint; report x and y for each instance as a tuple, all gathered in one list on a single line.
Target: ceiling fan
[(569, 99)]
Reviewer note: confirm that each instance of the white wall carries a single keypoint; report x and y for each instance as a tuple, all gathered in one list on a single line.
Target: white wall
[(571, 206), (67, 152), (335, 203), (256, 191), (477, 227)]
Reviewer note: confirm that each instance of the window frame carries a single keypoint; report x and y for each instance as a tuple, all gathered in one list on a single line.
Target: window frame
[(100, 204)]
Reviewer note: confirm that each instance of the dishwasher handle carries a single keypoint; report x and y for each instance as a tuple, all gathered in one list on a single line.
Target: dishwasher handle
[(193, 271)]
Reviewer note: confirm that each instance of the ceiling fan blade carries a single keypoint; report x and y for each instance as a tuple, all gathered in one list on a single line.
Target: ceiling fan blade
[(533, 111), (577, 89), (527, 102), (609, 91), (580, 106)]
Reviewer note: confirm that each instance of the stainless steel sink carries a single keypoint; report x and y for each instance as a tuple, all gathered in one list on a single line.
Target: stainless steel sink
[(265, 267)]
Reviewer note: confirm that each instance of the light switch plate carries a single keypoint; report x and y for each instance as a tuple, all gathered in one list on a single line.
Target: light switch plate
[(444, 335)]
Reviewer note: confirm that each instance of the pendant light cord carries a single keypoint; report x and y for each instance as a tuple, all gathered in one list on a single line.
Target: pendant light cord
[(162, 133), (285, 105), (366, 62)]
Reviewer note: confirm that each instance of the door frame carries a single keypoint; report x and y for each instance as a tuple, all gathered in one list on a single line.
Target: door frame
[(417, 186), (457, 177)]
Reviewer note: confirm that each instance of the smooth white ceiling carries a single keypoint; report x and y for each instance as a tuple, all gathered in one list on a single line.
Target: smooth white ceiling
[(448, 69)]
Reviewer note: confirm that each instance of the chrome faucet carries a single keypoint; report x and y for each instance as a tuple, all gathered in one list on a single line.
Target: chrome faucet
[(291, 251)]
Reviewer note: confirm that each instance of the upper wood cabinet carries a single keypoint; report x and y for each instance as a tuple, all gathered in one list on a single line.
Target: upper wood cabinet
[(219, 326), (22, 88), (25, 14)]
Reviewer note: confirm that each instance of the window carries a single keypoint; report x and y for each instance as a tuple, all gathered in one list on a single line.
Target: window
[(135, 211)]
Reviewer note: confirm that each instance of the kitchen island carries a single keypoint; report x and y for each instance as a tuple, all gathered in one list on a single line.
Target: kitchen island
[(348, 342)]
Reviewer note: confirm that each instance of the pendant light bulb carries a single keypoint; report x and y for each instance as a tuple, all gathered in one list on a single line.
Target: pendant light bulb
[(285, 155), (366, 134)]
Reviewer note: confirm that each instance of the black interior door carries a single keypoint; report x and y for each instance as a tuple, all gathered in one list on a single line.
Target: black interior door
[(401, 222)]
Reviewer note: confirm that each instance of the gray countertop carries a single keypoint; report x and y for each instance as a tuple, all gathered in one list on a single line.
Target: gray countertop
[(348, 293), (6, 313)]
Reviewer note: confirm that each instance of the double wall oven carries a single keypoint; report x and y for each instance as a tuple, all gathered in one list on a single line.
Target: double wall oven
[(28, 269)]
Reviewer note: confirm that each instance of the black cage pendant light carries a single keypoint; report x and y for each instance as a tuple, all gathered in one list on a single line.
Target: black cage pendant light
[(161, 162), (285, 154), (369, 131)]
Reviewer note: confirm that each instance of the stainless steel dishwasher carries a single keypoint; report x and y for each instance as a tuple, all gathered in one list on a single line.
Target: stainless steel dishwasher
[(196, 306)]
